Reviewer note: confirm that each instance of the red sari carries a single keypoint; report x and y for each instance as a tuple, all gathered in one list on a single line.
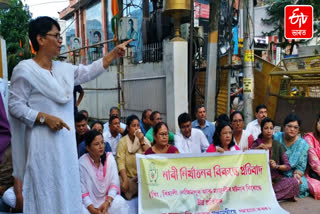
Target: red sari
[(171, 149)]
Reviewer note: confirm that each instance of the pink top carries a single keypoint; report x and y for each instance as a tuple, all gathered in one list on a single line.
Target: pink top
[(212, 148), (314, 164)]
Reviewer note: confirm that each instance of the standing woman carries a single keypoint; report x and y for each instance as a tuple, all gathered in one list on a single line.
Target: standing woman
[(99, 179), (133, 142), (284, 188), (297, 151), (41, 109), (313, 174), (161, 141)]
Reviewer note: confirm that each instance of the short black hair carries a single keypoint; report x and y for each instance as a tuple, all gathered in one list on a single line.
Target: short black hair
[(266, 120), (96, 122), (153, 114), (114, 108), (40, 26), (223, 118), (260, 107), (83, 111), (113, 118), (144, 113), (79, 117), (199, 106), (97, 33), (183, 118), (216, 136), (234, 113), (291, 118), (263, 122)]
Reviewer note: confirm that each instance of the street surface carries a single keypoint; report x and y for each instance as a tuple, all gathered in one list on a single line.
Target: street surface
[(305, 205)]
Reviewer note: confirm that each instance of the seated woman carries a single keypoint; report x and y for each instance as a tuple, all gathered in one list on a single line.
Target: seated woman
[(313, 174), (130, 144), (161, 140), (99, 179), (98, 125), (241, 137), (297, 151), (284, 187), (223, 139)]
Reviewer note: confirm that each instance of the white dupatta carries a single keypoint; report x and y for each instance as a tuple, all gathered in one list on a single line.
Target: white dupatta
[(59, 89)]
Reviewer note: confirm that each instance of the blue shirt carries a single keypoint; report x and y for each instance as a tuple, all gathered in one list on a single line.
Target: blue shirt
[(208, 129)]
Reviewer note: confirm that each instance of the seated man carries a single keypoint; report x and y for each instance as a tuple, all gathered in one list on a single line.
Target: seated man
[(204, 125), (114, 111), (98, 125), (188, 139), (81, 131), (155, 118), (86, 114), (145, 122), (113, 136), (253, 128)]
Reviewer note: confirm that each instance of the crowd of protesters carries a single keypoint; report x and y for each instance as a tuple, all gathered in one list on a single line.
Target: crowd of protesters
[(59, 164)]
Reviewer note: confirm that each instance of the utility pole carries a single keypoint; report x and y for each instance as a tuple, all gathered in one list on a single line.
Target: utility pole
[(212, 55), (248, 46)]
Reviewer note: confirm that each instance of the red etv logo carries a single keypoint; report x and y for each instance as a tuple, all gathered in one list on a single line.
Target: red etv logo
[(298, 22)]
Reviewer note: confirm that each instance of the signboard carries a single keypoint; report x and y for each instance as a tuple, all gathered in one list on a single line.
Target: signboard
[(249, 56), (247, 85), (201, 10), (298, 21), (210, 183)]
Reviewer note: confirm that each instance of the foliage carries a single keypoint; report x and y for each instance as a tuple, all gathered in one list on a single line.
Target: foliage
[(14, 29), (276, 15)]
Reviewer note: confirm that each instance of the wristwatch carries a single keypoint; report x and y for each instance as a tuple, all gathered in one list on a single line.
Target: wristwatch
[(42, 119)]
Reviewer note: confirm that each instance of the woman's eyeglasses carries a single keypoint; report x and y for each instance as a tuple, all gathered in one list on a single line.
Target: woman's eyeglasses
[(57, 36), (164, 134)]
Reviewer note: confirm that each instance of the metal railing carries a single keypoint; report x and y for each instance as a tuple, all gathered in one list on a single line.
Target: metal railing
[(147, 53), (85, 55)]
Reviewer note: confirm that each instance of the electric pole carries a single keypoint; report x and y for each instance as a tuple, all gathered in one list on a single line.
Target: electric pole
[(248, 46), (212, 57)]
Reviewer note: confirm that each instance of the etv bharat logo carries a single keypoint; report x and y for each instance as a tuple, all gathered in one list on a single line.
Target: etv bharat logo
[(298, 22)]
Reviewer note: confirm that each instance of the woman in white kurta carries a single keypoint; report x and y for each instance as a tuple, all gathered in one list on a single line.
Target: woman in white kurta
[(99, 179), (41, 110)]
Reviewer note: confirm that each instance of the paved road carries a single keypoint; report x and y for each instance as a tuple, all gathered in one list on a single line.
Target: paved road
[(303, 206)]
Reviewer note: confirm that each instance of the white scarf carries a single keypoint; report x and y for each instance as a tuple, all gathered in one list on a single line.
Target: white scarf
[(59, 89)]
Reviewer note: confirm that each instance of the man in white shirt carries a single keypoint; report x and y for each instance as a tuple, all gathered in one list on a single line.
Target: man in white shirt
[(114, 111), (188, 139), (112, 136), (253, 127)]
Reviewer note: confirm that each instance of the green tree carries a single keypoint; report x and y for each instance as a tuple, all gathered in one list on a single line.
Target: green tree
[(276, 15), (14, 29)]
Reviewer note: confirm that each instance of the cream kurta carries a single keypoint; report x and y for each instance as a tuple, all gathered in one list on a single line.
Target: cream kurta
[(47, 160)]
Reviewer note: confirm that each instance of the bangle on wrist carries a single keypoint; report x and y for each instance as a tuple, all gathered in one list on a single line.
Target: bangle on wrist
[(109, 201)]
